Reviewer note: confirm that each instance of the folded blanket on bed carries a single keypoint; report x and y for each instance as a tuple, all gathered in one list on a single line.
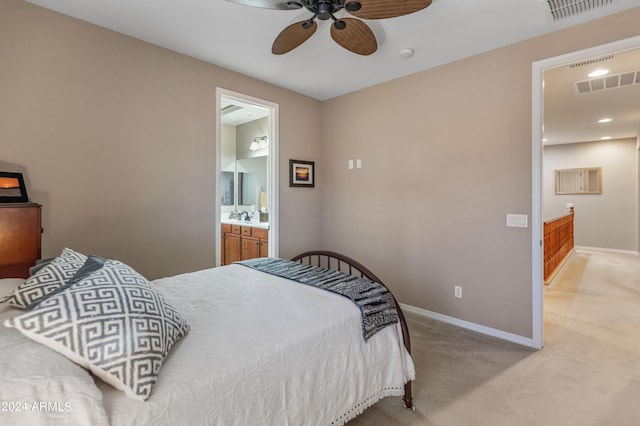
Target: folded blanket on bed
[(376, 304)]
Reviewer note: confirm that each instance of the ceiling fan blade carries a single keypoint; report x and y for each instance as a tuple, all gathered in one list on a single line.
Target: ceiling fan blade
[(356, 36), (293, 36), (270, 4), (382, 9)]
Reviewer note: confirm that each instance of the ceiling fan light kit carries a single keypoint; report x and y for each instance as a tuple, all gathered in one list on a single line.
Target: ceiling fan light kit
[(350, 33)]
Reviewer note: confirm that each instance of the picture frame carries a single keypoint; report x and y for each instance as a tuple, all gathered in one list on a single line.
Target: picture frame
[(12, 188), (302, 173)]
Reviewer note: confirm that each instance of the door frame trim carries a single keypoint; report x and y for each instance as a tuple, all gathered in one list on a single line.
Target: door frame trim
[(272, 172)]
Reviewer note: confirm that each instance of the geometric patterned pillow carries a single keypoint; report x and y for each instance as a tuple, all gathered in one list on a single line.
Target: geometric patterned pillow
[(47, 279), (112, 322)]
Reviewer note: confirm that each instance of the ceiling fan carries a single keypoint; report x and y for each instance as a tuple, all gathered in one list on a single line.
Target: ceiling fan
[(350, 33)]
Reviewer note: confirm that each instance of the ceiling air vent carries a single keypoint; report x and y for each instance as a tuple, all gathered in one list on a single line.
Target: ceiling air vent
[(608, 82), (592, 61), (229, 109), (562, 9)]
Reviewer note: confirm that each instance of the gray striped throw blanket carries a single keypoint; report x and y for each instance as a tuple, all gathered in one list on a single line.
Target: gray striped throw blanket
[(376, 304)]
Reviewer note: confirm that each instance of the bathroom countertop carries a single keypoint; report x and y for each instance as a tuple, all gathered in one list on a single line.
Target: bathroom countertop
[(263, 225)]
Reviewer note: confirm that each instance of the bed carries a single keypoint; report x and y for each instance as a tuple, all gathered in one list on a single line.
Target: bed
[(249, 347)]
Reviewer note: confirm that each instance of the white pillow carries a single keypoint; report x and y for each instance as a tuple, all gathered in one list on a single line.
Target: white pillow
[(112, 322), (56, 274), (33, 374)]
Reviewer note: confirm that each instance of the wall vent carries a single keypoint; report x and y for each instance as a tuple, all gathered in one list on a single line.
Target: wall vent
[(229, 109), (608, 82), (592, 61), (562, 9)]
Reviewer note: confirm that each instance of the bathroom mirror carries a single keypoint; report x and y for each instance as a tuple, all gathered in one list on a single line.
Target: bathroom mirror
[(227, 182), (250, 181), (247, 188)]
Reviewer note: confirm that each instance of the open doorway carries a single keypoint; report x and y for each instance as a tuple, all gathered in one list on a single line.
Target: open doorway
[(538, 131), (247, 178)]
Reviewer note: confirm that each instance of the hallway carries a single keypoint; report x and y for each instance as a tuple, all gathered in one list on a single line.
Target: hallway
[(597, 296)]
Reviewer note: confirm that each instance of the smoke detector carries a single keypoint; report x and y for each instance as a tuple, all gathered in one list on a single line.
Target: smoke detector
[(406, 53)]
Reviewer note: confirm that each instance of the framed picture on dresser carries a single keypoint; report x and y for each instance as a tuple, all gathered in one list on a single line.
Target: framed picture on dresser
[(12, 188)]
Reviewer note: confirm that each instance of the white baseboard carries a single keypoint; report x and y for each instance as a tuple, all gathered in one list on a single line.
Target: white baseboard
[(510, 337), (606, 250), (559, 268)]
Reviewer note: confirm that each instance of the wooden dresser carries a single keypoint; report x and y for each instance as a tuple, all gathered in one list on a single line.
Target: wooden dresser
[(20, 238)]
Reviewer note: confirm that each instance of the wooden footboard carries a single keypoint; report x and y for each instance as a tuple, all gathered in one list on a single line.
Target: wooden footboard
[(340, 262)]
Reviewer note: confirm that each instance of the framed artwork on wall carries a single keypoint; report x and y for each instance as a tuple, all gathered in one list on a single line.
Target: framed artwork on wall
[(301, 173), (12, 188)]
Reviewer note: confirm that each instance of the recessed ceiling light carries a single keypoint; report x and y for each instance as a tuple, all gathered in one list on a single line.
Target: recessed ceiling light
[(605, 138), (605, 120), (544, 139), (598, 73)]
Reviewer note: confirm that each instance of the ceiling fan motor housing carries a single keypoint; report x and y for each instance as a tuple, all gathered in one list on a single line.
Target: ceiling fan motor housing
[(324, 9)]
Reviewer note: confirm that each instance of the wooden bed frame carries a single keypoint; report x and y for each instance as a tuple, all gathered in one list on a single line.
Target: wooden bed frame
[(339, 262)]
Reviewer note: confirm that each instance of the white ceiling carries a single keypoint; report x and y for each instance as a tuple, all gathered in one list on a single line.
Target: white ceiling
[(239, 38), (236, 112), (572, 116)]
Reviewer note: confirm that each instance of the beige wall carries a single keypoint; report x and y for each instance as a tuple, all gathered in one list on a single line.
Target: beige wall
[(117, 139), (446, 155), (607, 220)]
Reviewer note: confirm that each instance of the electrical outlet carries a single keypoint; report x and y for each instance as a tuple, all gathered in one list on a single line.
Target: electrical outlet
[(457, 291)]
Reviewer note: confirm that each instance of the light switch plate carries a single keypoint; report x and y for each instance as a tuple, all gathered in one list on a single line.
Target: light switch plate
[(351, 164), (517, 220)]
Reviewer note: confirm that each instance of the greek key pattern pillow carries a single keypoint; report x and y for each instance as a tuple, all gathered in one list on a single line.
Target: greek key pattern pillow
[(113, 322), (54, 275)]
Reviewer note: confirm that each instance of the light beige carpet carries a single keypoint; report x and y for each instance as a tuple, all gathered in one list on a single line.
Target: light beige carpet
[(588, 372)]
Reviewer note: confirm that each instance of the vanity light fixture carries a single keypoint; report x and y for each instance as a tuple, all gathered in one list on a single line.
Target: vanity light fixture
[(605, 120), (259, 142), (599, 73)]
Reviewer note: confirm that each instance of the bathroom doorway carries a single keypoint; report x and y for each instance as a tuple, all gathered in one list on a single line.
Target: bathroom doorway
[(246, 167)]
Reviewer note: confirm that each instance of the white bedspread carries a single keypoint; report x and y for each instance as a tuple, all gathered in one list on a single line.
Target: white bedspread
[(264, 351), (39, 387)]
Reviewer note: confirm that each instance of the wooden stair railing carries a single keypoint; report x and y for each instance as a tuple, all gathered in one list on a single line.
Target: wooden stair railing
[(558, 243)]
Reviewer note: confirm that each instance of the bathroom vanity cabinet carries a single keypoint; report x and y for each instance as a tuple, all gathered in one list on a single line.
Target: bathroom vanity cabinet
[(241, 242)]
